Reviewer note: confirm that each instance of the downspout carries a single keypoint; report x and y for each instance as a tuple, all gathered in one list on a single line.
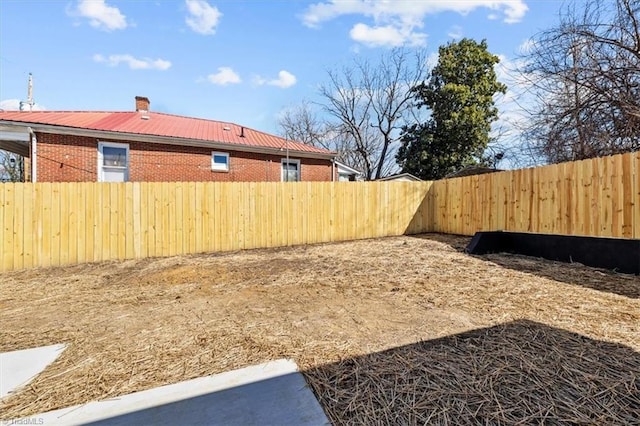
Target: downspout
[(287, 142), (34, 155), (333, 169)]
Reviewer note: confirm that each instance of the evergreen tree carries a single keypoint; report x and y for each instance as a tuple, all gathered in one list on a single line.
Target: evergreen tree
[(459, 95)]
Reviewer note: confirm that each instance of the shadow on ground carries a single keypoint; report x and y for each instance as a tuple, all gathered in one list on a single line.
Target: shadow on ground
[(272, 393), (457, 242), (265, 402), (571, 273), (521, 372)]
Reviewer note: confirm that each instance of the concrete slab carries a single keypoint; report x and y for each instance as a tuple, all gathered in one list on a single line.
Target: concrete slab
[(274, 393), (17, 368)]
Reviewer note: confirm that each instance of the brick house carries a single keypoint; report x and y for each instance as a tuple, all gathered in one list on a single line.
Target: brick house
[(140, 145)]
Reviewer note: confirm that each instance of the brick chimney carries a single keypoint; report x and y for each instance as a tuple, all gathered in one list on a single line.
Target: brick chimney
[(142, 103)]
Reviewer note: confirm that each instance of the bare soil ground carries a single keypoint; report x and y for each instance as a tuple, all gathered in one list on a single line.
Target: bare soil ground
[(367, 307)]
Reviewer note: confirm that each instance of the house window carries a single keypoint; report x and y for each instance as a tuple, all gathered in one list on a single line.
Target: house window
[(113, 162), (220, 161), (290, 170)]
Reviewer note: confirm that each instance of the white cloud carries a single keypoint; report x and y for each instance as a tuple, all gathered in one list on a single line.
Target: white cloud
[(526, 46), (408, 10), (14, 105), (203, 18), (455, 32), (432, 60), (516, 12), (387, 35), (10, 104), (101, 15), (133, 62), (395, 21), (285, 79), (224, 76)]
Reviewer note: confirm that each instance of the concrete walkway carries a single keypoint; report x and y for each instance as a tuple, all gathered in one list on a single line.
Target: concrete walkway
[(18, 368), (274, 393)]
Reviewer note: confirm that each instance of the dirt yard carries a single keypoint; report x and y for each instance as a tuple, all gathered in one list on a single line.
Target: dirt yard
[(339, 310)]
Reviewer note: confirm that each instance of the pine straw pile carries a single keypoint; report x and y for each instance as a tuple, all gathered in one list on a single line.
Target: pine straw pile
[(350, 315), (521, 372)]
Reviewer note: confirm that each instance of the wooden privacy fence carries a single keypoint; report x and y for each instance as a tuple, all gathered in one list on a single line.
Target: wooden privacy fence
[(45, 224), (597, 197)]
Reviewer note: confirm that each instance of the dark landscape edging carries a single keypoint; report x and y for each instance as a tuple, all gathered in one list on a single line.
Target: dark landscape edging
[(619, 254)]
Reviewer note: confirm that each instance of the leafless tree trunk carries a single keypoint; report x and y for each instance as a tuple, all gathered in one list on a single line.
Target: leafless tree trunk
[(302, 123), (585, 74), (369, 103)]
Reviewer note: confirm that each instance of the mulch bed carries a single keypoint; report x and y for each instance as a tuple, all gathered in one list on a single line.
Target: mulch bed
[(395, 330)]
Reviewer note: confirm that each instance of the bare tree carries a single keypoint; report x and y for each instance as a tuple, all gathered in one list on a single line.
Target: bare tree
[(302, 124), (368, 104), (11, 167), (585, 74)]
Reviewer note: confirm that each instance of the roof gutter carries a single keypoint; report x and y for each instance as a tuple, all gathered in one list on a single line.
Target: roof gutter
[(167, 140)]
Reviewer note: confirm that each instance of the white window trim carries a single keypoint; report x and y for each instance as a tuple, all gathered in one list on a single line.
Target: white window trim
[(101, 158), (291, 160), (215, 167)]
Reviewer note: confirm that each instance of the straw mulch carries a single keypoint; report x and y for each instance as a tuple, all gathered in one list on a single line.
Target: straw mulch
[(520, 372), (350, 315)]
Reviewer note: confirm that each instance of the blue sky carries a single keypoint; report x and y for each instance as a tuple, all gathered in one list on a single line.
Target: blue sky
[(242, 61)]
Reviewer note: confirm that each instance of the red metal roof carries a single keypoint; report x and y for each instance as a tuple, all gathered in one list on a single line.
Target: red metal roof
[(158, 124)]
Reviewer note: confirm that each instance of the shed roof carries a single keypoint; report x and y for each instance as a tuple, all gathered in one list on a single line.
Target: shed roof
[(402, 176)]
